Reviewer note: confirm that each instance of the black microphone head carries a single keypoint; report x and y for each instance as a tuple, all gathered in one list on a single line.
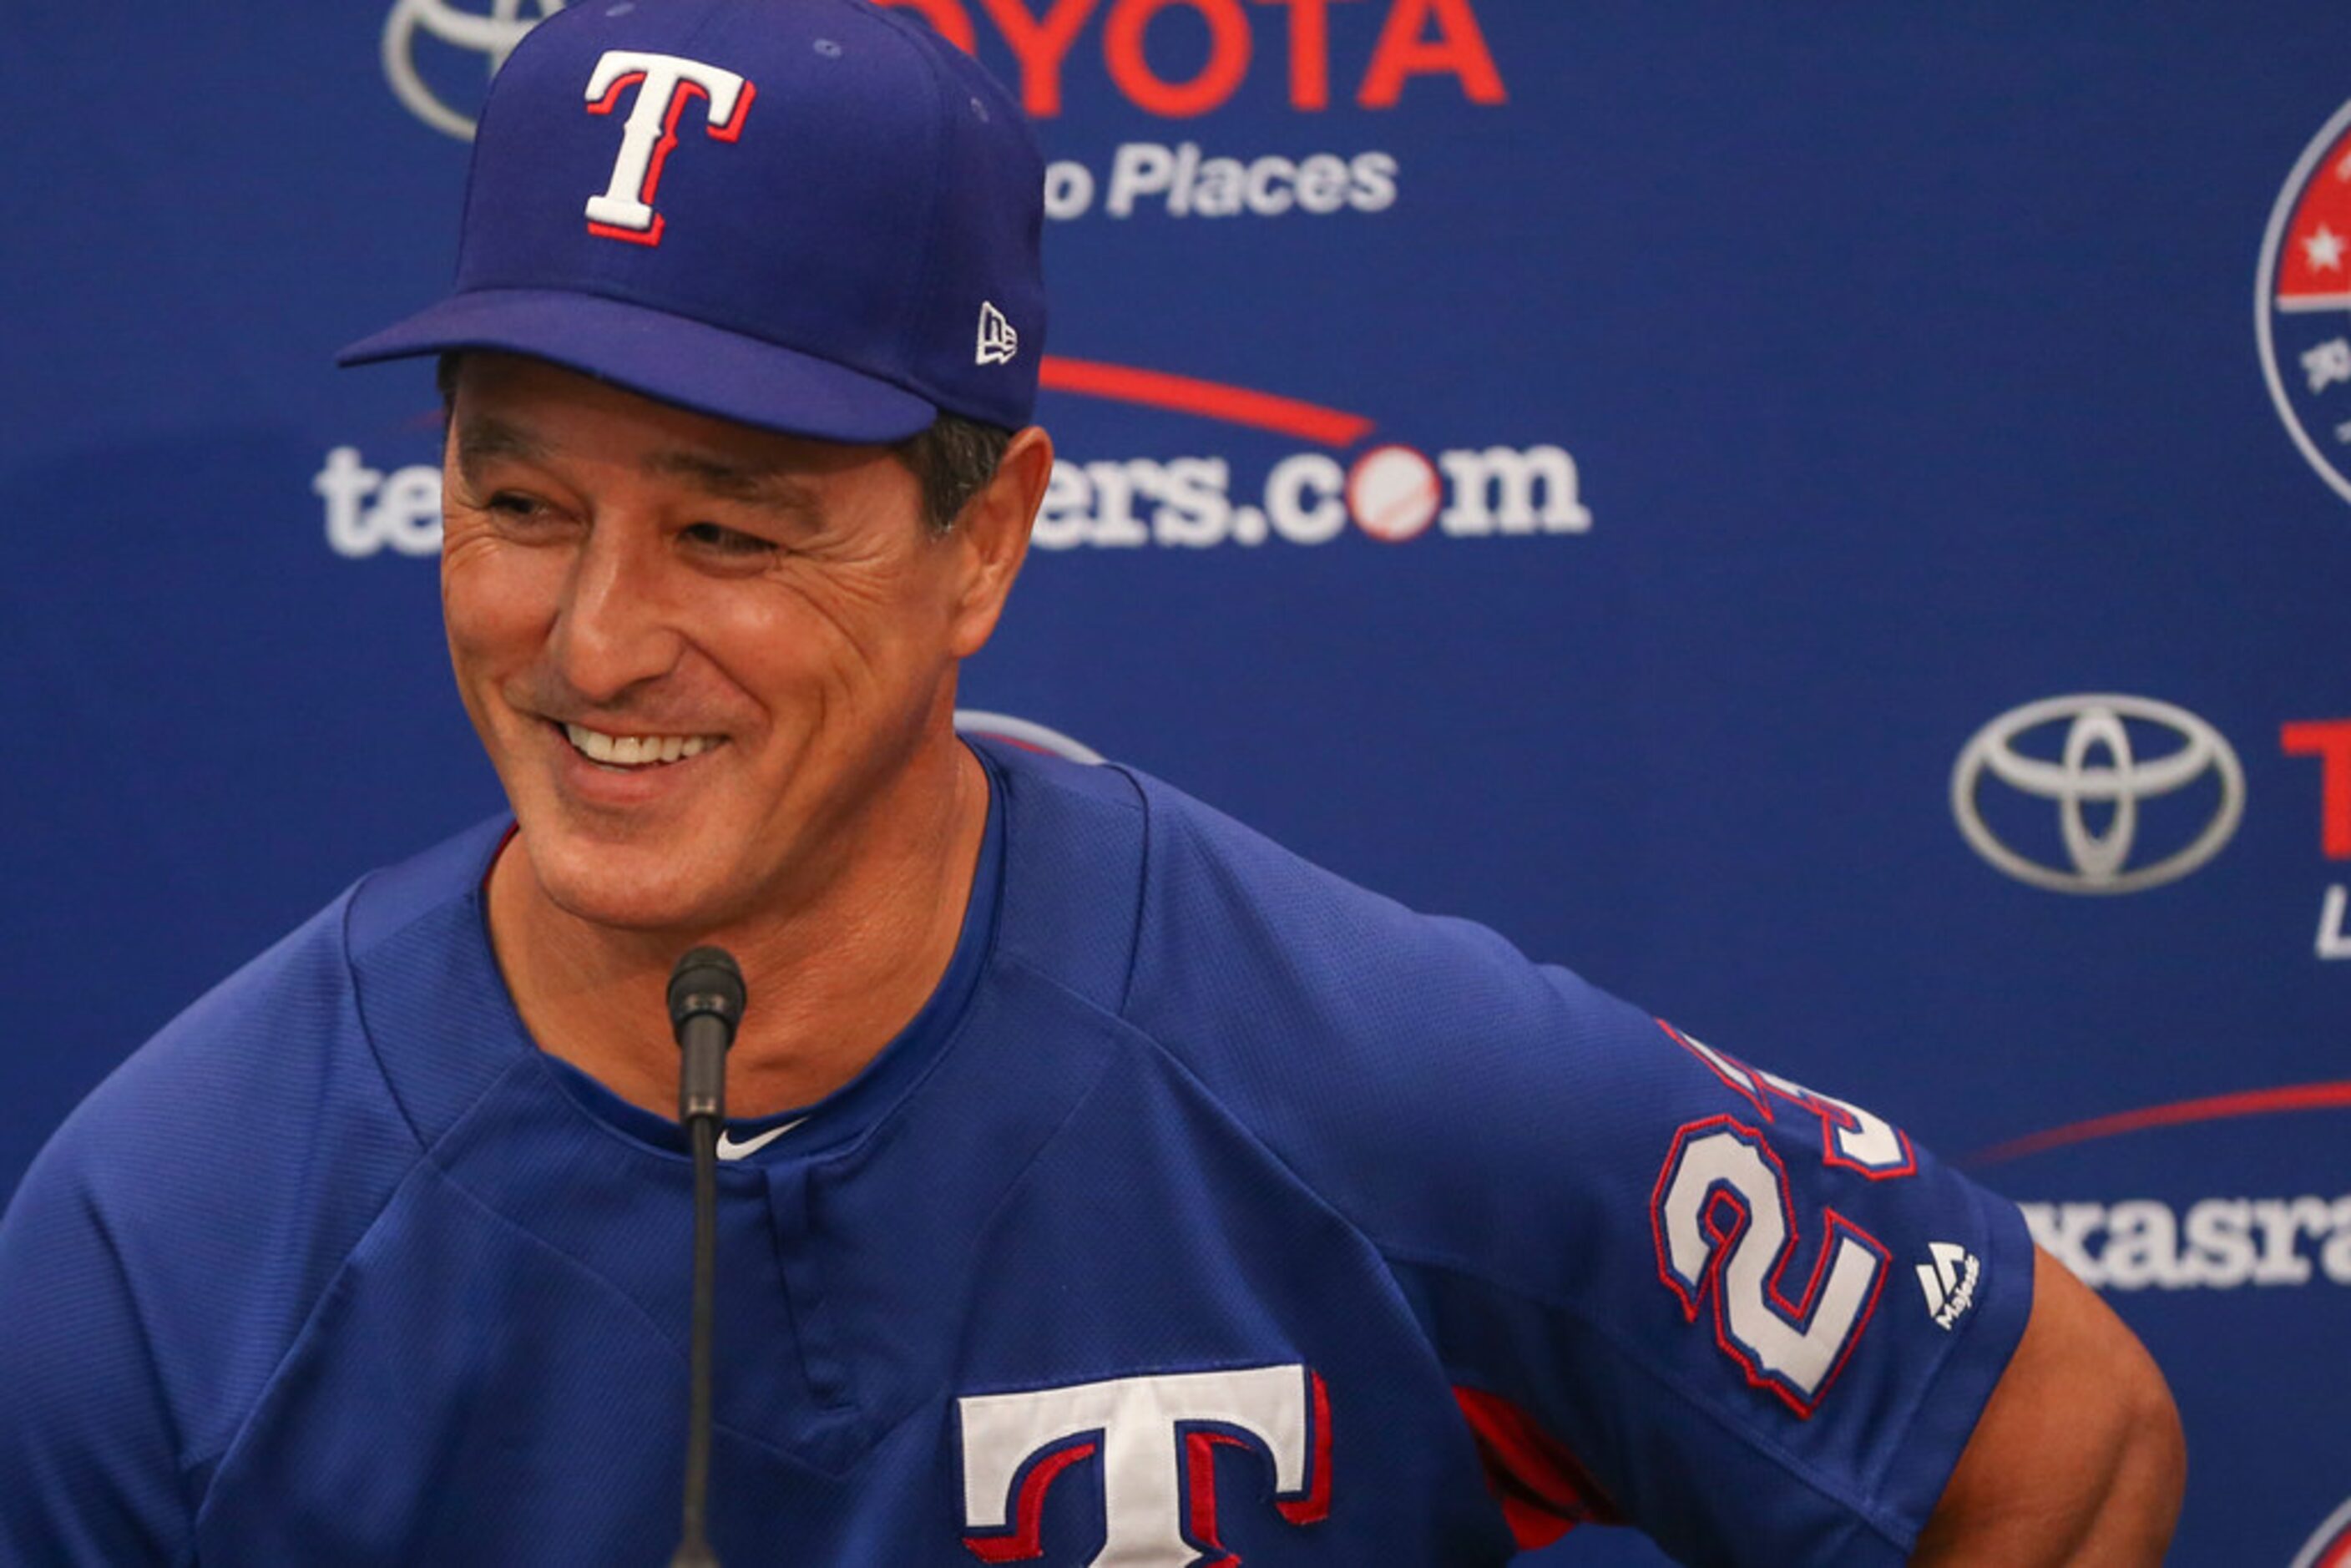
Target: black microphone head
[(707, 980)]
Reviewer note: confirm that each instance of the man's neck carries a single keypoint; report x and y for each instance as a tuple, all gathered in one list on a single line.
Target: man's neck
[(832, 978)]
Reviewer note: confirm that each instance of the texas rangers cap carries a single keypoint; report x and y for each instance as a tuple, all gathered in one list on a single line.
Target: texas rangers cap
[(810, 216)]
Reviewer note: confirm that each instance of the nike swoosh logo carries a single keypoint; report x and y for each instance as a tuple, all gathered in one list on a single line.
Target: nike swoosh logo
[(728, 1149)]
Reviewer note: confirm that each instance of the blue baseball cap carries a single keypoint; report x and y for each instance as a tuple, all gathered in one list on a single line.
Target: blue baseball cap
[(815, 216)]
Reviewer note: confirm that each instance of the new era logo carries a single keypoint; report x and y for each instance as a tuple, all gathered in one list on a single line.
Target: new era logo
[(999, 343), (1949, 1281)]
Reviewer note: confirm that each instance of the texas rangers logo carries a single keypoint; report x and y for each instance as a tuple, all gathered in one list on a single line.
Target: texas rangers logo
[(2301, 306), (1150, 1443), (663, 84)]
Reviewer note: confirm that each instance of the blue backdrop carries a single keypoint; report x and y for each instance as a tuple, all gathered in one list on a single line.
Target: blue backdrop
[(1831, 527)]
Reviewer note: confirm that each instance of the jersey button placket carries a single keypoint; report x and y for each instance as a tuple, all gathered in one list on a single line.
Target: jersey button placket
[(823, 1368)]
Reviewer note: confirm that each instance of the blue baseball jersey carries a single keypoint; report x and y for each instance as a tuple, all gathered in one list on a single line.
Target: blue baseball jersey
[(1214, 1211)]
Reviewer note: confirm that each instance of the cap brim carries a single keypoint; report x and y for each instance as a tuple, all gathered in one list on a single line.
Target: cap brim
[(667, 358)]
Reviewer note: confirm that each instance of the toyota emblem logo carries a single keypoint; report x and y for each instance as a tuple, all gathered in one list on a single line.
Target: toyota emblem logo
[(491, 33), (2097, 773)]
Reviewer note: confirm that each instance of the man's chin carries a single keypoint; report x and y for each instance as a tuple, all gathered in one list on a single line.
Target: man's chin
[(636, 914), (640, 890)]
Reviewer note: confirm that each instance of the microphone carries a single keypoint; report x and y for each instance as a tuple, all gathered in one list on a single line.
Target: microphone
[(705, 1004)]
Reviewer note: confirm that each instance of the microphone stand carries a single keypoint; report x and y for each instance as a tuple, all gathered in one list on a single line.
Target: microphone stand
[(694, 1546), (706, 1005)]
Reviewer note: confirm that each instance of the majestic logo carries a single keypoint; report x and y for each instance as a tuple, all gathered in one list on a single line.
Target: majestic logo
[(2302, 303), (1949, 1281), (999, 343), (490, 35), (2331, 1547), (664, 82), (2097, 772), (1154, 1441)]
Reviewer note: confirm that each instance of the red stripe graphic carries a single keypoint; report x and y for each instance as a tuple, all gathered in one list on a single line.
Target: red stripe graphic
[(2211, 1108), (1211, 400)]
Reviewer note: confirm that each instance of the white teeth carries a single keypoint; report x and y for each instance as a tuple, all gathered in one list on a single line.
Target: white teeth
[(596, 746), (636, 750)]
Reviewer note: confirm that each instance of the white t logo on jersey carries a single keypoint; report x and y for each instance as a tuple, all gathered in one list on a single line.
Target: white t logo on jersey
[(663, 83), (1157, 1439)]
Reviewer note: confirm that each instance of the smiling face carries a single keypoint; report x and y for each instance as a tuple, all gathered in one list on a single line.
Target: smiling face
[(708, 662)]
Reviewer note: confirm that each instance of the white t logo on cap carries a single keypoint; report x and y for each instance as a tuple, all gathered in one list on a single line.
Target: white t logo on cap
[(663, 83)]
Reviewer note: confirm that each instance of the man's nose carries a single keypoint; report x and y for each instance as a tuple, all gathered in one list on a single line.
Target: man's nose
[(617, 627)]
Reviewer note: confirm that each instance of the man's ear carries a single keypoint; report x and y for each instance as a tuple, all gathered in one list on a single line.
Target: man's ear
[(993, 534)]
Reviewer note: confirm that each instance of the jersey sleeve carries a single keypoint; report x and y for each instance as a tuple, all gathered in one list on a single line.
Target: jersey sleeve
[(86, 1436), (1752, 1319), (1663, 1285)]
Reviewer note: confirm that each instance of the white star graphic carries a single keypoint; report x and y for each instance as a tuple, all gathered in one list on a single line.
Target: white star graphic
[(2324, 249)]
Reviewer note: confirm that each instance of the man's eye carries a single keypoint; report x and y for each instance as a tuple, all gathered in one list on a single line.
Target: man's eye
[(508, 504), (722, 541)]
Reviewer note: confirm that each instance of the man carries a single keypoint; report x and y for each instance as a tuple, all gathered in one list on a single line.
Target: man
[(1108, 1185)]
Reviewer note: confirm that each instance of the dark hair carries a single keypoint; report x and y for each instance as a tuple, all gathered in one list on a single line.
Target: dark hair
[(953, 459)]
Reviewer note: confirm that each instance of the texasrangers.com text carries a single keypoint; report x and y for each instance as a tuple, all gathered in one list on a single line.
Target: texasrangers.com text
[(1391, 493), (2220, 1243)]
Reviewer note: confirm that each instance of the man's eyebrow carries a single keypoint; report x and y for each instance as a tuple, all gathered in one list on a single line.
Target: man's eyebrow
[(755, 483), (482, 436)]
